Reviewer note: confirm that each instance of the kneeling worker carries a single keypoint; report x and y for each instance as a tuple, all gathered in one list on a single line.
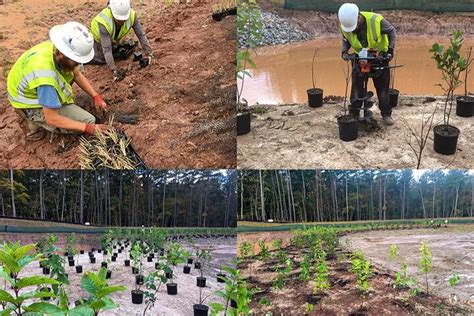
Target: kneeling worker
[(109, 28), (40, 82)]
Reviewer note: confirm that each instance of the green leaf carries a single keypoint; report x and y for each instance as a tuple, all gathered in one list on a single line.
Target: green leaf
[(34, 280), (43, 307), (88, 285), (110, 289), (6, 297), (81, 310), (9, 262), (7, 311)]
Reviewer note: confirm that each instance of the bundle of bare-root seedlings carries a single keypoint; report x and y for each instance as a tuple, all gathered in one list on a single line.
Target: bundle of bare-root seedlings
[(109, 149)]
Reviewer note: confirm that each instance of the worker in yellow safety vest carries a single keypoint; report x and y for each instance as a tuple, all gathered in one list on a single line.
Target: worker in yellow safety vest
[(40, 82), (109, 29), (368, 30)]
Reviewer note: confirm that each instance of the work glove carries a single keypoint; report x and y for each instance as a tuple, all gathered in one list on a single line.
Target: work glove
[(151, 59), (91, 129), (348, 57), (390, 54), (100, 104), (119, 74)]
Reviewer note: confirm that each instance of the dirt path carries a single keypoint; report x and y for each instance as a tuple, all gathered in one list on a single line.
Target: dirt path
[(185, 102), (296, 136), (452, 250), (223, 251)]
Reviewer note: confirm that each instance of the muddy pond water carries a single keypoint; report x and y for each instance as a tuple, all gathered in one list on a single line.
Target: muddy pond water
[(283, 73)]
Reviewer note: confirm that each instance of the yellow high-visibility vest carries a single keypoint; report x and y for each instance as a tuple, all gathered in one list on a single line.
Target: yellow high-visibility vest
[(33, 69), (375, 39), (107, 19)]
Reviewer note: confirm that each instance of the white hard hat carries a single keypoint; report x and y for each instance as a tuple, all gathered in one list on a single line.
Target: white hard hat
[(348, 16), (74, 41), (120, 9)]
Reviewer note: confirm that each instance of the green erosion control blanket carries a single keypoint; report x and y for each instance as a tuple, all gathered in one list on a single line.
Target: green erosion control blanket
[(47, 230), (377, 5)]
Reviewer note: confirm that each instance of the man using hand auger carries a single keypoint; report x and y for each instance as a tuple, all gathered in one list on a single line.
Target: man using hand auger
[(40, 83), (109, 29), (371, 37)]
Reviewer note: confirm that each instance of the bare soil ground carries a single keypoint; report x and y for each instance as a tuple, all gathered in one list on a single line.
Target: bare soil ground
[(223, 251), (405, 21), (39, 223), (185, 102), (296, 136), (452, 249), (343, 298)]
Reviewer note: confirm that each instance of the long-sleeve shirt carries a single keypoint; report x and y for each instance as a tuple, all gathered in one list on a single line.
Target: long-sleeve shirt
[(385, 28), (104, 49)]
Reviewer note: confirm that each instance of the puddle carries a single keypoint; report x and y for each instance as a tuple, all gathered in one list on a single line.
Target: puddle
[(283, 73)]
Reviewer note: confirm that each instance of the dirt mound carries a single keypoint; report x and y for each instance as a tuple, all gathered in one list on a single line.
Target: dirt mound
[(296, 136), (406, 22), (185, 102)]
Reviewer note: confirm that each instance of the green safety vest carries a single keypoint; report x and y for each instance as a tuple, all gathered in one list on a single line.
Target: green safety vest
[(107, 19), (375, 39), (33, 69)]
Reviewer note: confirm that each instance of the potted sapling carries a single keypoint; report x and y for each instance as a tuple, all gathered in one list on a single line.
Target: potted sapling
[(393, 93), (465, 103), (204, 258), (451, 64), (137, 293), (248, 25), (200, 309), (315, 95), (347, 123), (70, 239), (81, 243), (137, 266), (78, 266), (153, 282), (174, 256)]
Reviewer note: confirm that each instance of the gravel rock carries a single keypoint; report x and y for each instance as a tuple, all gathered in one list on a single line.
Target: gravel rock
[(275, 31)]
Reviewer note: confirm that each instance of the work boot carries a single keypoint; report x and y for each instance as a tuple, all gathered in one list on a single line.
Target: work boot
[(388, 120)]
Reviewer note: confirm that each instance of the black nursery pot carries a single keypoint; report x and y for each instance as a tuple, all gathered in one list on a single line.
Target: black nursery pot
[(200, 310), (201, 282), (78, 269), (243, 122), (233, 304), (114, 258), (99, 250), (197, 265), (109, 274), (46, 270), (137, 297), (157, 265), (186, 269), (127, 262), (315, 97), (149, 259), (71, 263), (445, 139), (464, 106), (70, 258), (81, 252), (120, 250), (348, 128), (139, 279), (134, 270), (92, 259), (91, 253), (172, 288), (220, 277), (190, 260), (394, 93), (104, 264)]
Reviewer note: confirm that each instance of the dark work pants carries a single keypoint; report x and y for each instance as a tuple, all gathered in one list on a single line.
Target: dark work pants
[(382, 85)]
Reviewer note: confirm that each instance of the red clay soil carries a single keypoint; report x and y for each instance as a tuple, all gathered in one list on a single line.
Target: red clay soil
[(185, 102), (343, 298)]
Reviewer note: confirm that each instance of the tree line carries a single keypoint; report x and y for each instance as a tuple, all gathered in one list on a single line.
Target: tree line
[(348, 195), (162, 198)]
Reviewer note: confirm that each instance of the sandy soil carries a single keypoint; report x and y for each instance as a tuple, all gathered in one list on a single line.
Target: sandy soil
[(406, 22), (452, 250), (342, 298), (185, 102), (267, 237), (223, 251), (296, 136)]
